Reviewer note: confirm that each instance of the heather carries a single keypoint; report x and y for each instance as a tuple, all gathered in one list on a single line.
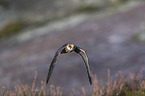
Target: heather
[(132, 85)]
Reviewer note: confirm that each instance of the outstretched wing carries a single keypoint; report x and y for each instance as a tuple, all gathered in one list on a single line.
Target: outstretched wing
[(54, 62), (79, 51)]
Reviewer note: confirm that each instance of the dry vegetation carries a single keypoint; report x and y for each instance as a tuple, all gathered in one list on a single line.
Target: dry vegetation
[(133, 85)]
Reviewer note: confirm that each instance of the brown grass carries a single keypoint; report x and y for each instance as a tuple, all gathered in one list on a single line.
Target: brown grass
[(133, 85)]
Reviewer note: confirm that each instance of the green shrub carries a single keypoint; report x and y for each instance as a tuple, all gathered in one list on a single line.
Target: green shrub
[(12, 28)]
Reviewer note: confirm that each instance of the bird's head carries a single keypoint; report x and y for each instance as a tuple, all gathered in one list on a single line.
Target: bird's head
[(69, 47)]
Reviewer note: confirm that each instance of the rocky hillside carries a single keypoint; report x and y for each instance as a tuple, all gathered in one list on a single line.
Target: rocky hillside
[(19, 15), (112, 38)]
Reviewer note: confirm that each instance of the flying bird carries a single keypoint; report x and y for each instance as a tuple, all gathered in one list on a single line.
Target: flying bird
[(68, 48)]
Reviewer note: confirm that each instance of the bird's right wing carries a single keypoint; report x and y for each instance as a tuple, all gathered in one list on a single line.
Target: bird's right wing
[(54, 62)]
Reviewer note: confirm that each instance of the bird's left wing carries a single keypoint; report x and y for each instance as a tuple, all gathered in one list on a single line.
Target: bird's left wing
[(54, 62), (79, 51)]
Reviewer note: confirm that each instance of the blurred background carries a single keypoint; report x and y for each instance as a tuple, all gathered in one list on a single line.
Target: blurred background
[(111, 31)]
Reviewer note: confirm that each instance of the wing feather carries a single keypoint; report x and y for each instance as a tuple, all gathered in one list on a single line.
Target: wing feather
[(54, 62), (86, 62)]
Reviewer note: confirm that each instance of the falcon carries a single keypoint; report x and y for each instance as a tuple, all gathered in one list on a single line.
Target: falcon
[(68, 48)]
